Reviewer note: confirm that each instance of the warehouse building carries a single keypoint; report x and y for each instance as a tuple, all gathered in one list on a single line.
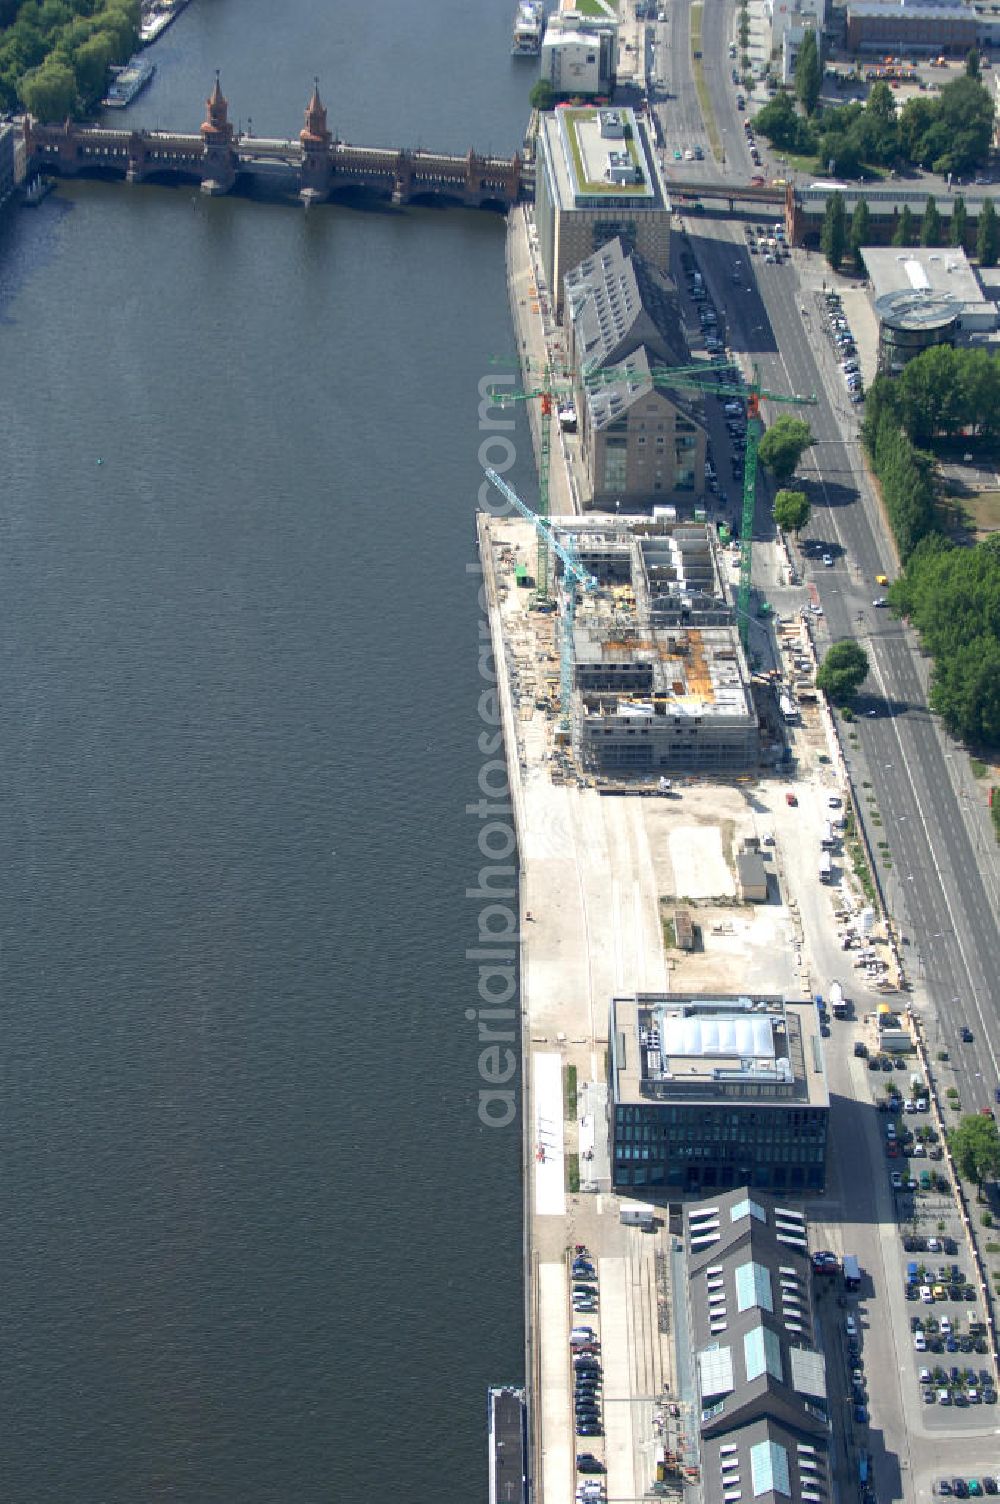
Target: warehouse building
[(745, 1308), (911, 26), (596, 177), (886, 202), (641, 443), (716, 1093)]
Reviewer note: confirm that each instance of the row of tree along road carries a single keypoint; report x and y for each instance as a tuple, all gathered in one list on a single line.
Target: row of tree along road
[(950, 592)]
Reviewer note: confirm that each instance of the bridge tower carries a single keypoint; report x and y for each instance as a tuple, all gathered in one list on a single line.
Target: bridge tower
[(316, 172), (218, 162)]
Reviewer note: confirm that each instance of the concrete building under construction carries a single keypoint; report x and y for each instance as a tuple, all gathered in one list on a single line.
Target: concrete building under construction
[(660, 679)]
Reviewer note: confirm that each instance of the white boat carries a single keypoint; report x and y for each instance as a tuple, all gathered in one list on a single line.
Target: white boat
[(156, 22), (157, 18), (126, 83), (529, 25)]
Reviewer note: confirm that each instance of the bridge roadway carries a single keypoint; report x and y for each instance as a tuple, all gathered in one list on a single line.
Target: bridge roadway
[(402, 175)]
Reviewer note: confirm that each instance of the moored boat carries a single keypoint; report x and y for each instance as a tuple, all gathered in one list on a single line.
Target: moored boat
[(126, 83), (157, 18), (529, 25)]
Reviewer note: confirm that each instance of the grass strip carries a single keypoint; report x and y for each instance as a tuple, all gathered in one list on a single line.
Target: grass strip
[(569, 1094), (701, 87)]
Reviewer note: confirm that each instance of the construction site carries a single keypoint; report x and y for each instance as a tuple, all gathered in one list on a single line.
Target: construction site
[(636, 661)]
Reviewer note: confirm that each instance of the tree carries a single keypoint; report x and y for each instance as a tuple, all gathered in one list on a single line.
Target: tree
[(542, 96), (878, 126), (783, 445), (951, 133), (782, 126), (90, 64), (930, 225), (952, 596), (841, 152), (49, 92), (808, 73), (905, 231), (791, 510), (843, 671), (958, 220), (975, 1144), (881, 104), (987, 235), (833, 235), (972, 63), (860, 231)]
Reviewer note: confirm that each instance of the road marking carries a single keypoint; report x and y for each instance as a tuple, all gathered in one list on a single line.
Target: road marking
[(937, 869)]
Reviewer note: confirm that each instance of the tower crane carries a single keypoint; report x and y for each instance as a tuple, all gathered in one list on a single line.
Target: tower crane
[(696, 378), (575, 574)]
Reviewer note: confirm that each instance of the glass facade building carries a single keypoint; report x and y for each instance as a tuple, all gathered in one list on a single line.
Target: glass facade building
[(717, 1093)]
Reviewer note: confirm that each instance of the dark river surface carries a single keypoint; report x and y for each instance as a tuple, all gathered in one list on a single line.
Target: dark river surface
[(255, 1243)]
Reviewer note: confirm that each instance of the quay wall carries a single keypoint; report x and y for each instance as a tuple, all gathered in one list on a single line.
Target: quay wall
[(508, 719)]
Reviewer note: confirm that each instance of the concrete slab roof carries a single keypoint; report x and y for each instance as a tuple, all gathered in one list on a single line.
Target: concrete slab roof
[(922, 269)]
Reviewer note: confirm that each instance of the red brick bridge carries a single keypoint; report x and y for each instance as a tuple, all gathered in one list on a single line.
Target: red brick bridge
[(217, 158)]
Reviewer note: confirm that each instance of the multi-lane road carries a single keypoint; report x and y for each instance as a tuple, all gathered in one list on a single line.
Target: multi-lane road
[(942, 882)]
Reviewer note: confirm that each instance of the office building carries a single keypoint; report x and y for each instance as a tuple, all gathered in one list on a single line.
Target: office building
[(597, 178), (758, 1382), (580, 54), (717, 1092), (924, 296)]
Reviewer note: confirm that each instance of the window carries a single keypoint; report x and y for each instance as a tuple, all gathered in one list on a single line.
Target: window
[(762, 1354), (769, 1469), (753, 1287)]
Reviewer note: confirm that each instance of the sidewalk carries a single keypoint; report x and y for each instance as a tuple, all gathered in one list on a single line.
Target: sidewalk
[(541, 345)]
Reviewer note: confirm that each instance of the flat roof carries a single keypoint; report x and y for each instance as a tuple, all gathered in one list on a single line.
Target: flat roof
[(917, 310), (673, 1048), (888, 196), (922, 288), (580, 157), (944, 10)]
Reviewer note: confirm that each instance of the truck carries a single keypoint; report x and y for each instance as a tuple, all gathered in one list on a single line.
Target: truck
[(852, 1272), (838, 1003), (825, 867), (826, 836)]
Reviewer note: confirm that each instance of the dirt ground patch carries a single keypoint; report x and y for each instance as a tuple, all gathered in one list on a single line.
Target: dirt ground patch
[(739, 948), (981, 512)]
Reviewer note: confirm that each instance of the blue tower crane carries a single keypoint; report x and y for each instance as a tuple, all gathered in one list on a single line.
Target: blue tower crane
[(575, 575)]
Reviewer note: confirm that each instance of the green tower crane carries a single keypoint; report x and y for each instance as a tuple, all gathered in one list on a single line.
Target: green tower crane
[(692, 378)]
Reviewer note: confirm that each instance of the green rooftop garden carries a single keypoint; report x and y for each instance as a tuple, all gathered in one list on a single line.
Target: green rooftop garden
[(572, 119)]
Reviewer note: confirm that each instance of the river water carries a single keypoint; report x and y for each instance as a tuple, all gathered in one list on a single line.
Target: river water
[(256, 1244)]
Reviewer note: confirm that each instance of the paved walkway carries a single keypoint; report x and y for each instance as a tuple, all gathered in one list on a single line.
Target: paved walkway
[(541, 347), (550, 1159)]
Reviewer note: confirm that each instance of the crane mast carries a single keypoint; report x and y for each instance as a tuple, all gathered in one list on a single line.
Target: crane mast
[(694, 378), (575, 575)]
